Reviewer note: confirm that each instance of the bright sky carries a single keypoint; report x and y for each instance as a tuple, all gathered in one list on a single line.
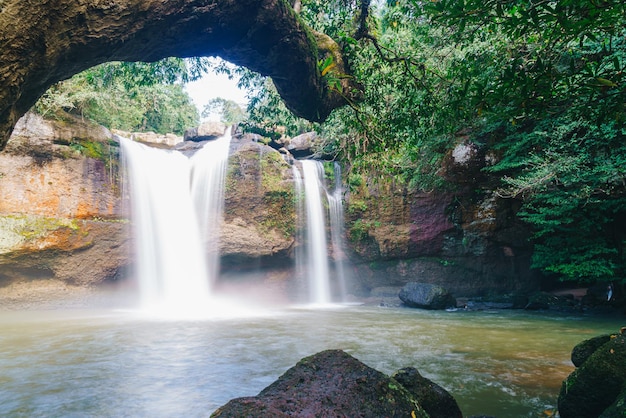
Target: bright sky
[(212, 86)]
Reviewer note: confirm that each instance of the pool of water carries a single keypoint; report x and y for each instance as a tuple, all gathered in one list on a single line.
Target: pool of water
[(119, 363)]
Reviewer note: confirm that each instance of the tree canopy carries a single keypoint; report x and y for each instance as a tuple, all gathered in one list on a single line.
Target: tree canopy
[(540, 86), (132, 96)]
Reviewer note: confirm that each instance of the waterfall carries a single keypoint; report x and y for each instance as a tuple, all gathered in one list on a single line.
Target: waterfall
[(176, 211), (335, 208), (312, 257), (207, 189)]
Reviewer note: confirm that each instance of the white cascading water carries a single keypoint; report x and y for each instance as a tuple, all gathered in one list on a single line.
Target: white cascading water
[(316, 264), (208, 175), (301, 250), (335, 209), (176, 207)]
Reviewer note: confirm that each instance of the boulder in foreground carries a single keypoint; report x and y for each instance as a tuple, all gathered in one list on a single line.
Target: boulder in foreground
[(333, 384), (597, 388)]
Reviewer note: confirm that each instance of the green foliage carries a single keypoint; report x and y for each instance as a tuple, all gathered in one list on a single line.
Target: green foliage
[(359, 230), (540, 84), (128, 96), (268, 115), (230, 113), (554, 111), (329, 172)]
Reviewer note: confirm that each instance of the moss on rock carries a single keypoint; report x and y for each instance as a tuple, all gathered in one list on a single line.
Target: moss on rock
[(598, 384)]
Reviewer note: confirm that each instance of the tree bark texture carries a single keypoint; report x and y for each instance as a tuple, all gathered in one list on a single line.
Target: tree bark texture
[(45, 41)]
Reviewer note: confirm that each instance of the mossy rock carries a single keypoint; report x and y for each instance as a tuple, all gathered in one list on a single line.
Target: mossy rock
[(617, 409), (328, 384), (598, 385), (435, 400), (582, 351)]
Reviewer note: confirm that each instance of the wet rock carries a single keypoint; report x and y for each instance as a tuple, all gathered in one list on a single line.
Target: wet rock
[(165, 140), (206, 131), (435, 400), (548, 301), (597, 387), (61, 215), (426, 296), (259, 214), (76, 252), (328, 384), (64, 130), (464, 163), (399, 234), (302, 145), (582, 351)]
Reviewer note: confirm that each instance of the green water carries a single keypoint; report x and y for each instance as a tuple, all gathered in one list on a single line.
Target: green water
[(117, 363)]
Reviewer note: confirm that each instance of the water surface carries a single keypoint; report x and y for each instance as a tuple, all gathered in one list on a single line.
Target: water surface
[(108, 363)]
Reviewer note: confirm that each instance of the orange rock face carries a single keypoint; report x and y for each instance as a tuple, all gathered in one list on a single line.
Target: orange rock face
[(70, 188), (60, 210)]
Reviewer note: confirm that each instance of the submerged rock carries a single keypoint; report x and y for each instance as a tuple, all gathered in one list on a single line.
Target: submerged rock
[(331, 384), (426, 296), (435, 400), (597, 388)]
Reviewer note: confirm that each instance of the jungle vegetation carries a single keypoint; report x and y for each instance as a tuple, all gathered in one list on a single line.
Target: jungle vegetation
[(540, 85)]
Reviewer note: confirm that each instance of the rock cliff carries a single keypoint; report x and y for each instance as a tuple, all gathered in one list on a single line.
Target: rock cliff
[(468, 241), (62, 217), (259, 210), (60, 204)]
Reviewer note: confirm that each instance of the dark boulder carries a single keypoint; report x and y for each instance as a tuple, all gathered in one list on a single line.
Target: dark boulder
[(582, 351), (426, 296), (435, 400), (541, 301), (328, 384), (597, 387)]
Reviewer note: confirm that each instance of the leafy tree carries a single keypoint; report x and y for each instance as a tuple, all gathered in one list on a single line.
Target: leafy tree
[(541, 83), (130, 96), (229, 111)]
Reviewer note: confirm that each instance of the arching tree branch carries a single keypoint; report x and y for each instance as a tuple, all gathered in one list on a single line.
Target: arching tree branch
[(42, 42)]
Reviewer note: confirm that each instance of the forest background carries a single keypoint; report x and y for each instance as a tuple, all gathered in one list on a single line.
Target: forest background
[(538, 87)]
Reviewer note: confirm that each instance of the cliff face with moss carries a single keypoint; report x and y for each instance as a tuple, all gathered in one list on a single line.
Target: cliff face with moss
[(62, 217), (60, 205), (259, 210), (63, 206), (467, 240)]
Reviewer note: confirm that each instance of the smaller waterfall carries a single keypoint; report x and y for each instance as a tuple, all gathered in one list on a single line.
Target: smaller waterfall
[(313, 261), (335, 208), (317, 250), (176, 211)]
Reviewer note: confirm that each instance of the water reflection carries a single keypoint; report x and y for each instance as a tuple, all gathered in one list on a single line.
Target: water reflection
[(109, 363)]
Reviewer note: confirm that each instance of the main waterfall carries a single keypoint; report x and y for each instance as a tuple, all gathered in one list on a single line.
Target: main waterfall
[(176, 210)]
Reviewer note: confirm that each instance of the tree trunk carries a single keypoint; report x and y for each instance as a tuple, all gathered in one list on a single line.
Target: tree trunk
[(44, 41)]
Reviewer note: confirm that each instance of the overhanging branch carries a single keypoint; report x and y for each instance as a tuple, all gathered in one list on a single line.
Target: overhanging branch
[(45, 42)]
